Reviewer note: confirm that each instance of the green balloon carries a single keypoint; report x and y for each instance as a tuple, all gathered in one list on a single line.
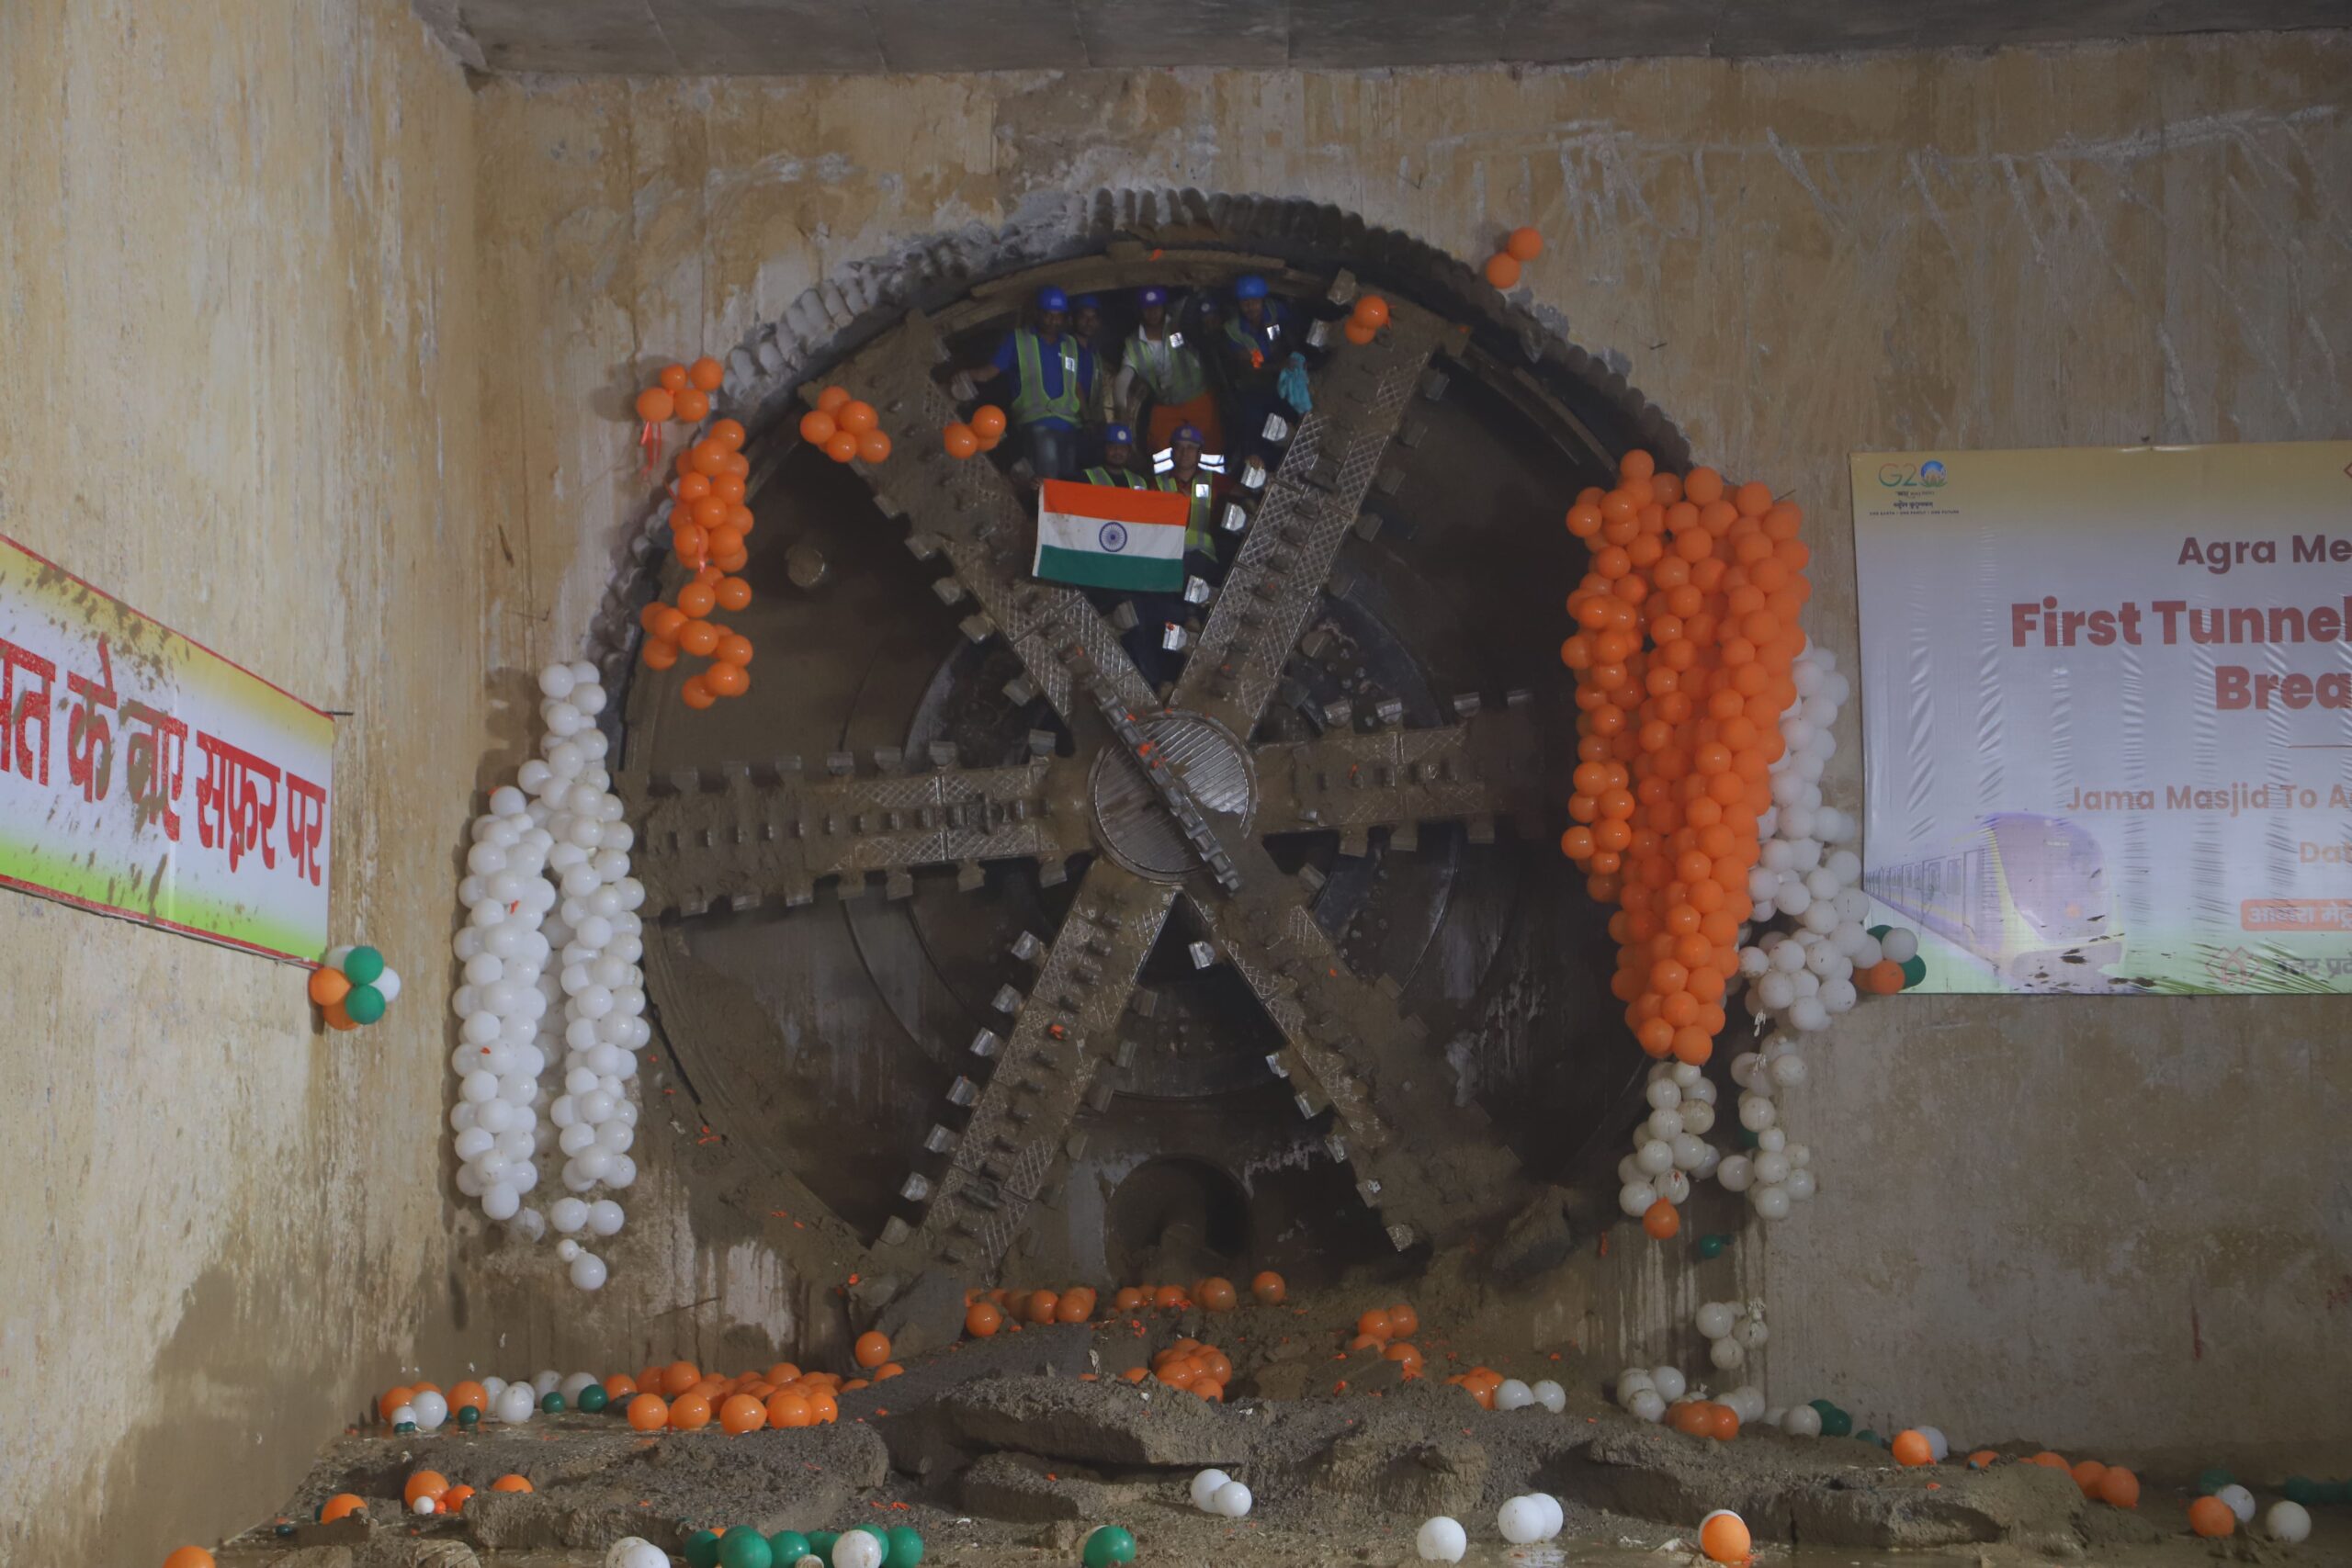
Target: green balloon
[(1714, 1246), (364, 1003), (1836, 1424), (1747, 1138), (906, 1548), (551, 1401), (1867, 1435), (1914, 969), (745, 1547), (1879, 932), (2301, 1489), (873, 1530), (702, 1550), (821, 1544), (468, 1416), (788, 1546), (2211, 1480), (594, 1398), (1109, 1545), (363, 967)]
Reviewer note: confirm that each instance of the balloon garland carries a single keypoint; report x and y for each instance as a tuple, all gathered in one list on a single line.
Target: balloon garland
[(549, 955)]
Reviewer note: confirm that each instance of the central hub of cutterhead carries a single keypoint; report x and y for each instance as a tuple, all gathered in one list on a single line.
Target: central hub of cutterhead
[(1135, 829)]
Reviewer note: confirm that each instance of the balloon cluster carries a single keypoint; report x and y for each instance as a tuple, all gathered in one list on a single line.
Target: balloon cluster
[(1525, 1520), (353, 986), (685, 626), (1214, 1492), (1731, 1329), (1364, 323), (985, 429), (708, 521), (1670, 1150), (551, 953), (1522, 245), (845, 427), (680, 391)]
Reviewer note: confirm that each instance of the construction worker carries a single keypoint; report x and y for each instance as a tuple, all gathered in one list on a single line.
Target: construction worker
[(1053, 376), (1118, 466), (1259, 339), (1188, 471), (1160, 367)]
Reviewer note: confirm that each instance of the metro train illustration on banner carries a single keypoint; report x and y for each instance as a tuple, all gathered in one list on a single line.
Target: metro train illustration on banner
[(2026, 895)]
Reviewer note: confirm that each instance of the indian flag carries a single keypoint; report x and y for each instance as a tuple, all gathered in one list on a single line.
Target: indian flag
[(1106, 537)]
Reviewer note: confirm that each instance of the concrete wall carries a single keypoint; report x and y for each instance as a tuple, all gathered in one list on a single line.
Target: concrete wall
[(240, 391), (2110, 1223)]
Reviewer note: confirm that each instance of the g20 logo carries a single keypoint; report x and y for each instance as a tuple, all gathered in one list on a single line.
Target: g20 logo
[(1929, 475)]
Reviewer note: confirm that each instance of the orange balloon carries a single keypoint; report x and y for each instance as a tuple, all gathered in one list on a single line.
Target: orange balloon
[(1076, 1306), (1041, 1306), (988, 422), (680, 1376), (1215, 1293), (960, 441), (2211, 1518), (1403, 1321), (724, 543), (692, 404), (1407, 1354), (1660, 1220), (510, 1481), (816, 427), (726, 680), (1502, 270), (618, 1387), (689, 1413), (788, 1408), (1372, 310), (733, 649), (1722, 1423), (666, 622), (887, 1370), (855, 416), (873, 445), (1911, 1448), (1524, 244), (823, 1411), (1358, 332), (2086, 1473), (728, 433), (1724, 1538), (1375, 1324), (659, 654), (393, 1398), (454, 1500), (424, 1483), (1268, 1290), (654, 405), (2117, 1487), (329, 985), (833, 398), (981, 1319), (1981, 1459), (742, 1414), (695, 601), (1168, 1296), (842, 447), (706, 373), (733, 592), (697, 637), (673, 378), (344, 1502), (873, 1349), (2049, 1460), (709, 456)]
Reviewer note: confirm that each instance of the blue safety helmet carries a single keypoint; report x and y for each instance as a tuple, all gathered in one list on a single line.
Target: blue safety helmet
[(1118, 435), (1089, 302), (1184, 433), (1251, 287), (1155, 295), (1052, 298)]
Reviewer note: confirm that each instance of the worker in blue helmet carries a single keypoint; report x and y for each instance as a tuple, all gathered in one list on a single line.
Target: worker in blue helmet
[(1118, 466), (1184, 471), (1162, 369), (1261, 337), (1053, 385)]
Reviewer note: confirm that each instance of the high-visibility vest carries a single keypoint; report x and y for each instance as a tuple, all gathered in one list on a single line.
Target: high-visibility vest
[(1170, 367), (1030, 403), (1197, 534), (1259, 350), (1123, 479)]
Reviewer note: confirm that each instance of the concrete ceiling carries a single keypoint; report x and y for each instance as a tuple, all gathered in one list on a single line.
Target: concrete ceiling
[(784, 38)]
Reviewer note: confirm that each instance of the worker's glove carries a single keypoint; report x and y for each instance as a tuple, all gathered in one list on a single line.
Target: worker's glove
[(1292, 384), (963, 388)]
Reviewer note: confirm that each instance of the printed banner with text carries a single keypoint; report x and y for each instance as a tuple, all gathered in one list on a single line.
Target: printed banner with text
[(145, 775), (2107, 714)]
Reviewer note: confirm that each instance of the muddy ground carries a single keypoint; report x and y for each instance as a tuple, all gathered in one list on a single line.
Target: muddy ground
[(1009, 1449)]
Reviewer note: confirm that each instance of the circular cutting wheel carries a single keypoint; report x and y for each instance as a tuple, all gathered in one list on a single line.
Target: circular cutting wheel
[(1010, 957)]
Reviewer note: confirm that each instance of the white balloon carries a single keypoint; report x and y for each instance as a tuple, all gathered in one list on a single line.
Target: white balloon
[(1520, 1520), (633, 1552), (1715, 1319), (1772, 1202), (569, 1215), (604, 1216), (1751, 1334), (1205, 1487), (1669, 1383), (1631, 1382), (515, 1404), (1653, 1158), (1736, 1173), (1513, 1395), (1802, 1421), (1938, 1446), (1440, 1540), (858, 1548), (1689, 1149), (1550, 1396), (1725, 1354), (1647, 1406), (2290, 1522), (1746, 1402), (1232, 1500), (1900, 944), (1554, 1516), (2239, 1500), (589, 1273), (431, 1409), (1636, 1197)]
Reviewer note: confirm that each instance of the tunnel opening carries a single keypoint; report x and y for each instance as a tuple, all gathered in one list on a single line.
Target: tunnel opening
[(1177, 1218)]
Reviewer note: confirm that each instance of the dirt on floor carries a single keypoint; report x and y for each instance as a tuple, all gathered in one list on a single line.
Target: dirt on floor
[(1011, 1448)]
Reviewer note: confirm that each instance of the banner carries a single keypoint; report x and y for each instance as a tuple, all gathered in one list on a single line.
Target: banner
[(1108, 536), (144, 775), (2107, 714)]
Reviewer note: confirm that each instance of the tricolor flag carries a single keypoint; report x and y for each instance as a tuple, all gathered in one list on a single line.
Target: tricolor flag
[(1104, 536)]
